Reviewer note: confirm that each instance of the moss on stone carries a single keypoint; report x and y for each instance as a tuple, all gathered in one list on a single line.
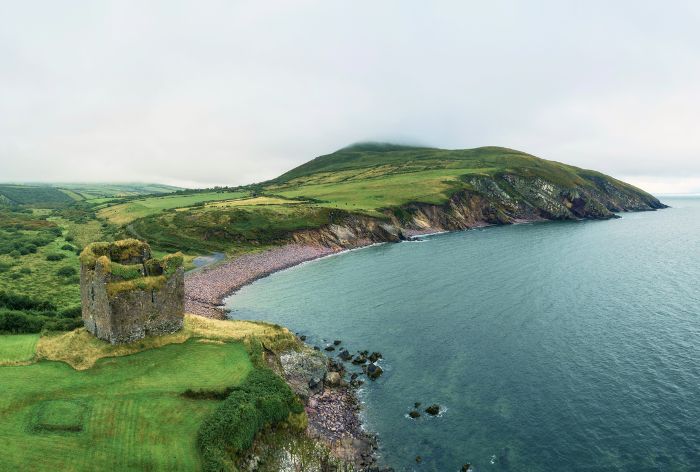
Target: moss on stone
[(142, 283)]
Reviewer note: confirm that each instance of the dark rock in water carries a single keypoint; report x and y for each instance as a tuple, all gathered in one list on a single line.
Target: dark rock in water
[(433, 409), (337, 342), (466, 467), (360, 359), (419, 459), (345, 355), (414, 414), (316, 348), (330, 348), (335, 366), (374, 371), (417, 405), (356, 383), (354, 376), (302, 337), (375, 356)]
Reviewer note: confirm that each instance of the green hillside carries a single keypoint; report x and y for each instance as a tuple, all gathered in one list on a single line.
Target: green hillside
[(376, 180)]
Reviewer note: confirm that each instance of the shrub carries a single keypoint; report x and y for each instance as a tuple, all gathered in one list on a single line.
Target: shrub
[(69, 238), (55, 257), (66, 271), (25, 271), (262, 399), (68, 247), (15, 253), (23, 302), (16, 322)]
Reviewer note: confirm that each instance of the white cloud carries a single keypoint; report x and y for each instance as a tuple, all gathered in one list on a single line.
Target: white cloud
[(220, 92)]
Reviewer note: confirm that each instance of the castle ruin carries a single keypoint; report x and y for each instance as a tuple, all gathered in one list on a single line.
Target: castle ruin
[(127, 294)]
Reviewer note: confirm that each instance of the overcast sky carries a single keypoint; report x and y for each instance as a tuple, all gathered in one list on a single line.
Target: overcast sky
[(203, 92)]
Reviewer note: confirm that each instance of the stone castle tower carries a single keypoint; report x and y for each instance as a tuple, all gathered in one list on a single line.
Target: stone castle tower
[(127, 294)]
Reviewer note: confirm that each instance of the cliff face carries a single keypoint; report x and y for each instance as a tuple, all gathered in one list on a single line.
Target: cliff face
[(506, 199)]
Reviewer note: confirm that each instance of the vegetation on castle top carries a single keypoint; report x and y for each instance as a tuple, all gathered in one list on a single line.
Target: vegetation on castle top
[(129, 264), (117, 251)]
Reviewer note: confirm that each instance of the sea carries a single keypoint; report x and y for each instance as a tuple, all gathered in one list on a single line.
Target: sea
[(555, 346)]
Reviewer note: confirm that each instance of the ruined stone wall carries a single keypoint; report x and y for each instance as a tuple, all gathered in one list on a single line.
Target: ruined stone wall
[(125, 303), (139, 313)]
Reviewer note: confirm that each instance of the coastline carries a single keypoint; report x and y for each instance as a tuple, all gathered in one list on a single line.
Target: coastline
[(206, 289), (333, 411)]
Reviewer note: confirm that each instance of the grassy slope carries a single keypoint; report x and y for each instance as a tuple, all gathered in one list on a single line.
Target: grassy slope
[(128, 409), (122, 410)]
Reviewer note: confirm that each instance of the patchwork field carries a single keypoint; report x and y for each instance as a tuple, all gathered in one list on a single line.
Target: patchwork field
[(125, 213), (125, 413)]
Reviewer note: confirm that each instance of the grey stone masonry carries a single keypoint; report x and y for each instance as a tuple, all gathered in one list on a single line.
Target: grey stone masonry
[(128, 295)]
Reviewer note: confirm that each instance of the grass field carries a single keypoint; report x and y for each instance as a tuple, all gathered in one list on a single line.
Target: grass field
[(33, 275), (125, 213), (125, 413), (16, 348)]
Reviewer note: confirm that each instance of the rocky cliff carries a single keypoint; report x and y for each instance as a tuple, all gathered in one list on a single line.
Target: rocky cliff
[(504, 199)]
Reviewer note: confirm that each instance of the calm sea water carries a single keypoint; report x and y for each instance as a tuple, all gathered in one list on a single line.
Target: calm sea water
[(554, 346)]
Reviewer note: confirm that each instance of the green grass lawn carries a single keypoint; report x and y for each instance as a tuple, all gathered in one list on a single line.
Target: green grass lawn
[(17, 347), (127, 212), (125, 413)]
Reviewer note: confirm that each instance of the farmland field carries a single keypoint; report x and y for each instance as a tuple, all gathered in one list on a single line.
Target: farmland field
[(125, 413), (127, 212)]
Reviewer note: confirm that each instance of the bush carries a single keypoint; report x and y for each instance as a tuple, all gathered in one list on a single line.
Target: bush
[(16, 322), (22, 302), (25, 271), (55, 257), (68, 247), (22, 314), (66, 271), (262, 399), (69, 238)]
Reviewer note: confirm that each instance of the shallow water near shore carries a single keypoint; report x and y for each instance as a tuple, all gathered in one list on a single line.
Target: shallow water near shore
[(553, 346)]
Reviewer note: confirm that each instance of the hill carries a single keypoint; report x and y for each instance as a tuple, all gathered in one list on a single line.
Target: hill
[(366, 186)]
